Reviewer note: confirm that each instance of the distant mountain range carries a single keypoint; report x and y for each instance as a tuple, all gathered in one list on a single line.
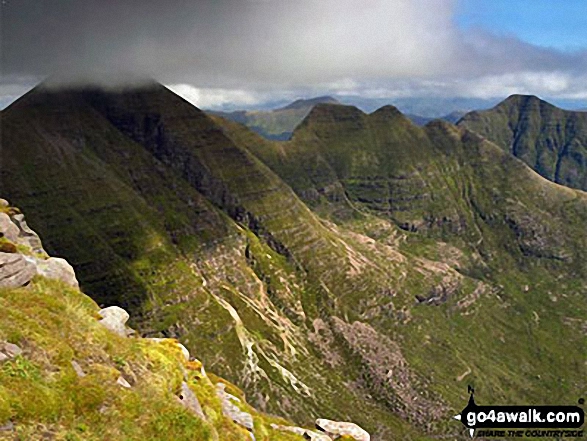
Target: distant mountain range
[(365, 270), (277, 124)]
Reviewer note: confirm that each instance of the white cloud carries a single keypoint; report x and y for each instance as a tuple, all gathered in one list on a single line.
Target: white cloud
[(207, 98)]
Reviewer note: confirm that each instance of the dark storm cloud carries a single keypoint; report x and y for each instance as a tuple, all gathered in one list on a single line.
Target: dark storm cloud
[(263, 45)]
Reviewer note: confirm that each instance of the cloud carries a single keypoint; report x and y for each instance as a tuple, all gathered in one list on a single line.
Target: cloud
[(219, 51)]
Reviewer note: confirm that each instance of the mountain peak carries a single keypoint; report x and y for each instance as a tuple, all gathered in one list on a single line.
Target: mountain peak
[(524, 101), (305, 103), (326, 114)]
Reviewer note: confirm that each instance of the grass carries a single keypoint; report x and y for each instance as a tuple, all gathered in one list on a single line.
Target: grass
[(42, 395)]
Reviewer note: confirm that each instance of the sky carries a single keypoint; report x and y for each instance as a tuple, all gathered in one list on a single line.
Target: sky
[(241, 53)]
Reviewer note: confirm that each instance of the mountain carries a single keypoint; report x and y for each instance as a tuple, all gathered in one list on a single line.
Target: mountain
[(452, 118), (366, 270), (427, 106), (70, 370), (550, 140), (277, 124)]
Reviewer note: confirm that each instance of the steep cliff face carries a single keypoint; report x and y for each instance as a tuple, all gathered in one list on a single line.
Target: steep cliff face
[(550, 140), (347, 274)]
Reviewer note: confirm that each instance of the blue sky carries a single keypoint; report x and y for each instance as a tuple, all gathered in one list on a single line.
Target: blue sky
[(549, 23)]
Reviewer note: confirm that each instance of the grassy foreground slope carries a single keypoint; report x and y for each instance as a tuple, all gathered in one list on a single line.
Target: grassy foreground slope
[(552, 141), (366, 270), (41, 394)]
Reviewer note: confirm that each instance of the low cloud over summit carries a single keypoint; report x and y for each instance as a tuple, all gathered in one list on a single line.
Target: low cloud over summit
[(252, 48)]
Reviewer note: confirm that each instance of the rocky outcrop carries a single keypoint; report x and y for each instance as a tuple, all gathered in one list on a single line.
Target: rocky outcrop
[(306, 433), (7, 228), (336, 429), (26, 236), (15, 270), (189, 400), (114, 318), (230, 410), (57, 268), (9, 351), (121, 381)]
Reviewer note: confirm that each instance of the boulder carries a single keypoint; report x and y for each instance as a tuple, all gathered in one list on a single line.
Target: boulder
[(27, 236), (307, 434), (114, 318), (57, 268), (7, 228), (15, 270), (189, 400), (122, 382), (336, 429), (230, 410), (8, 351)]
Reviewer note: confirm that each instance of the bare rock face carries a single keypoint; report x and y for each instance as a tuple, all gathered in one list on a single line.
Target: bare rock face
[(230, 410), (7, 228), (337, 429), (57, 268), (189, 400), (15, 270), (114, 318), (307, 434), (27, 236)]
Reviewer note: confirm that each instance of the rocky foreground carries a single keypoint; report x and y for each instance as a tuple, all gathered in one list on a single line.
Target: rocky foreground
[(70, 370)]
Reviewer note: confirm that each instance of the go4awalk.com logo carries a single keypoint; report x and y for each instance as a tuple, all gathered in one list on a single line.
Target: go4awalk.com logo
[(522, 421)]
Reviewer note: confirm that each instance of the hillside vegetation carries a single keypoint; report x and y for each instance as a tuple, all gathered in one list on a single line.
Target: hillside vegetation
[(552, 141), (367, 270)]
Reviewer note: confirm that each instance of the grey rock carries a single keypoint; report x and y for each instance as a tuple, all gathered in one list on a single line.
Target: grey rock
[(306, 433), (8, 351), (11, 350), (8, 228), (337, 429), (230, 410), (15, 270), (8, 427), (122, 382), (57, 268), (189, 400), (27, 236), (78, 369), (114, 318)]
